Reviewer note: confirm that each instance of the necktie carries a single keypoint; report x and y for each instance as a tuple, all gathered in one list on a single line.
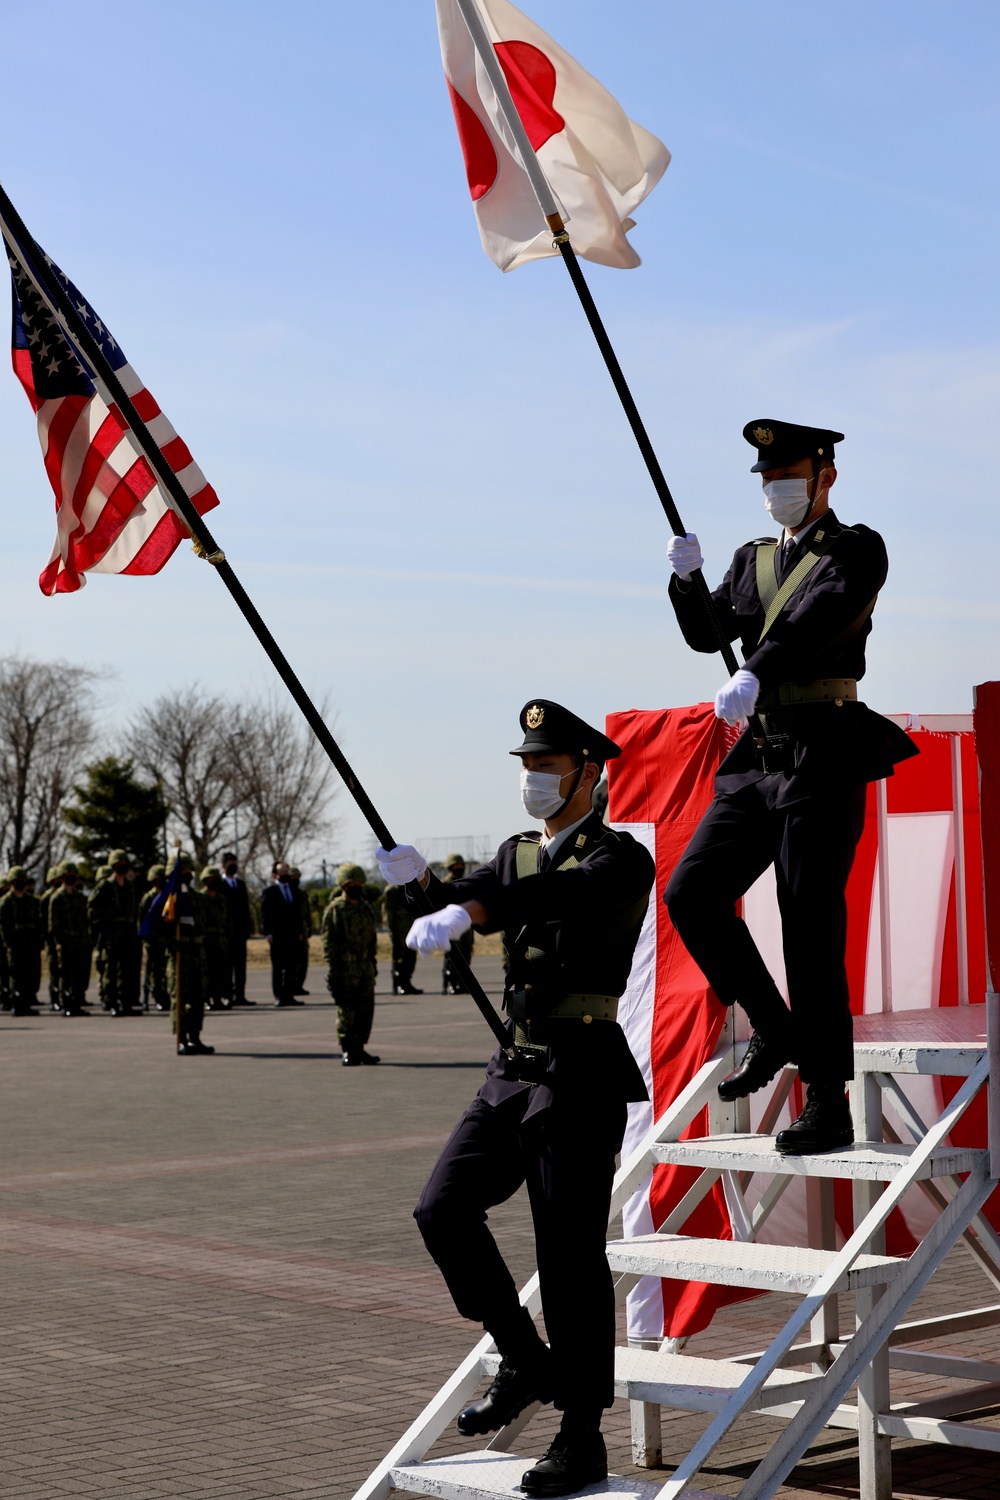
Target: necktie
[(543, 859), (786, 553)]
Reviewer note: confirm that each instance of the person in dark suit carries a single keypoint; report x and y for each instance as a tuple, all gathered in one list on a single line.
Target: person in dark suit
[(791, 792), (551, 1112), (240, 928), (281, 920)]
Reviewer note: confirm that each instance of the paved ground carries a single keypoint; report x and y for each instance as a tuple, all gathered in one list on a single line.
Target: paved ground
[(211, 1285)]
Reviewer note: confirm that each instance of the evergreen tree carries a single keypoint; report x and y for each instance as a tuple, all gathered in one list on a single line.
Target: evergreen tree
[(114, 810)]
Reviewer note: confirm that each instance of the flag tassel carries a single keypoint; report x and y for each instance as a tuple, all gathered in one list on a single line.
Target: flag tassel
[(86, 345)]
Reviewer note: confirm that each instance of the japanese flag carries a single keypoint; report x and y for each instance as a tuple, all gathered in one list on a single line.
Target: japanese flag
[(599, 163)]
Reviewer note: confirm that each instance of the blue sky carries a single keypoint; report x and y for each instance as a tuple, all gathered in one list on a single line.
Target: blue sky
[(427, 485)]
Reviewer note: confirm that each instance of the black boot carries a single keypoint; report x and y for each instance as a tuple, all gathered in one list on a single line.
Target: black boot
[(510, 1391), (570, 1463), (762, 1061), (824, 1125)]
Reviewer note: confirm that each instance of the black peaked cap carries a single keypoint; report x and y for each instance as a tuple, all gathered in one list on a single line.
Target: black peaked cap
[(548, 727), (780, 444)]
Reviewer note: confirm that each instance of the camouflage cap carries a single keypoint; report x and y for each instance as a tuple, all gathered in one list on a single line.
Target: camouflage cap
[(67, 867), (295, 872), (17, 872), (210, 872), (453, 859), (185, 861), (118, 857), (103, 871), (156, 872), (348, 874), (52, 874)]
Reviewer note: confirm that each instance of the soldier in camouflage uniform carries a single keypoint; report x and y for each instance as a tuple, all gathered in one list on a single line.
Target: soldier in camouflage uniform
[(215, 923), (114, 913), (349, 948), (69, 939), (450, 982), (155, 981), (21, 932), (53, 880), (102, 874), (186, 966), (301, 899), (398, 921)]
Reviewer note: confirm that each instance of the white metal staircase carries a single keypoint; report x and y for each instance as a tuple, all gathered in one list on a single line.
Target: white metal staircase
[(809, 1370)]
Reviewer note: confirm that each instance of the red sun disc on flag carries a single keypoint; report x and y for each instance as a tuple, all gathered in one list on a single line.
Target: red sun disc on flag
[(531, 79)]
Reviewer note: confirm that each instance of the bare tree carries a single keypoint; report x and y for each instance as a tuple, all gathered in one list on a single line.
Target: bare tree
[(46, 733), (286, 781), (185, 742)]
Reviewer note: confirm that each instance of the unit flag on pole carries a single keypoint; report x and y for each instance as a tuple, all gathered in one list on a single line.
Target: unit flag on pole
[(599, 163), (112, 514)]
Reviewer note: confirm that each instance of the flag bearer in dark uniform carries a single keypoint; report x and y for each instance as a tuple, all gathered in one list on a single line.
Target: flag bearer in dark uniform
[(570, 903), (22, 937), (792, 796), (451, 983), (306, 923), (398, 921), (69, 936)]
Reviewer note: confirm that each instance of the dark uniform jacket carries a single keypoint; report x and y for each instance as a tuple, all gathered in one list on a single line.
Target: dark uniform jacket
[(238, 906), (566, 932), (280, 919), (820, 633)]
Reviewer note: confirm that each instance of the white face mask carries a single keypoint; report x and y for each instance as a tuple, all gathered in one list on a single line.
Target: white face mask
[(787, 500), (541, 792)]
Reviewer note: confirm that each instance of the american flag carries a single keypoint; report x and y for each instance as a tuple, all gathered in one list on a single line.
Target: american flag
[(112, 514)]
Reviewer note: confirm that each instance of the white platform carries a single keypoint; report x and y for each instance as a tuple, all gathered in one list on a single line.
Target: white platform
[(767, 1268), (867, 1161), (485, 1476)]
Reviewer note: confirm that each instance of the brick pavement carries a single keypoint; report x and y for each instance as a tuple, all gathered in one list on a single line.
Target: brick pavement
[(211, 1285)]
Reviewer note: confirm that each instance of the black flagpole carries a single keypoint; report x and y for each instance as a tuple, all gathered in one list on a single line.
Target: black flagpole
[(483, 44), (206, 546)]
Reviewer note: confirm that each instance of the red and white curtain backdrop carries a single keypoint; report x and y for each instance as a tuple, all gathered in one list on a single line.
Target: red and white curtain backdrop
[(915, 940)]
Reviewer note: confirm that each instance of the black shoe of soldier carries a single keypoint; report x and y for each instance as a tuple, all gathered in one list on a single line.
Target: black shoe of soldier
[(824, 1125), (409, 989), (195, 1047), (73, 1010), (24, 1010), (368, 1059), (351, 1059), (568, 1466), (762, 1061), (508, 1394), (242, 1000)]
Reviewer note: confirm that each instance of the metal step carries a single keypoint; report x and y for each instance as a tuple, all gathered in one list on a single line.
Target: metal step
[(768, 1268), (867, 1161), (690, 1383), (486, 1476)]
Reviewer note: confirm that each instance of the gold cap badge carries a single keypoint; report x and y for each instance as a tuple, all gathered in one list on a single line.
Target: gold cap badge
[(534, 716), (763, 436)]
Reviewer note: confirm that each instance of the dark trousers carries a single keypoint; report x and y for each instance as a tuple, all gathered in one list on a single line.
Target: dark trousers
[(567, 1158), (404, 960), (285, 954), (237, 986), (811, 846)]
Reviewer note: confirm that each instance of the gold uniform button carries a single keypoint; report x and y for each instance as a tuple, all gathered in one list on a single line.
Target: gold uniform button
[(587, 1020), (839, 702)]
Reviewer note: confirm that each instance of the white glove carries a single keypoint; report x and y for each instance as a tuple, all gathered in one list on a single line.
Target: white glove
[(737, 700), (438, 930), (684, 555), (401, 864)]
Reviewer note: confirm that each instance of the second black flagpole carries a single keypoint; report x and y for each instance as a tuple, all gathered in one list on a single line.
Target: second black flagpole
[(76, 331), (550, 212)]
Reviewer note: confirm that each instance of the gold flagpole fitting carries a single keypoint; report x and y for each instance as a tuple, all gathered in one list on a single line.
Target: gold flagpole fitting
[(216, 557), (558, 227)]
